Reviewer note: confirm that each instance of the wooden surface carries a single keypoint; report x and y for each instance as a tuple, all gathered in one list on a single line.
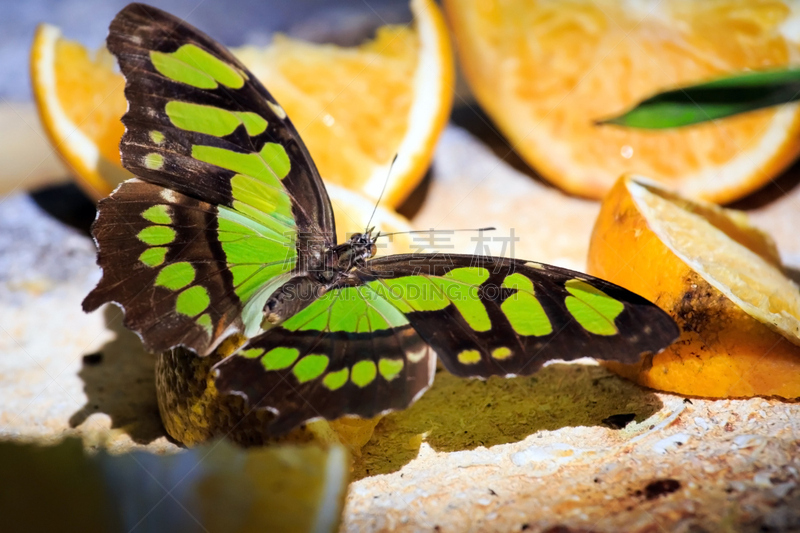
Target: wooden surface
[(504, 455)]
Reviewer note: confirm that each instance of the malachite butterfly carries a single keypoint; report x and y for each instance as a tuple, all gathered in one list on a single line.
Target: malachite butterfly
[(227, 229)]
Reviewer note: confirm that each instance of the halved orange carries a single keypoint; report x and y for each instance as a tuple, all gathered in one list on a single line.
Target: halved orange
[(355, 108), (219, 487), (546, 71), (717, 276), (292, 489)]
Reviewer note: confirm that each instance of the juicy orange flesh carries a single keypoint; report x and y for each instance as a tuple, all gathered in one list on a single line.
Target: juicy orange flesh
[(734, 224), (750, 280), (92, 95), (349, 105), (558, 67)]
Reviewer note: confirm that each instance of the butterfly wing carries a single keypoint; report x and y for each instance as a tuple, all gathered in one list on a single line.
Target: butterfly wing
[(489, 316), (348, 352), (215, 119), (164, 263), (228, 200), (482, 316)]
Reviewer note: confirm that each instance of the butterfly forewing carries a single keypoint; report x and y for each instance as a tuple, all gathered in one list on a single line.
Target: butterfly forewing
[(197, 117), (201, 128)]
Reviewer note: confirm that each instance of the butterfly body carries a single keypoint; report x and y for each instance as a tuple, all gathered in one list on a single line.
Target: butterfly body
[(228, 229), (324, 270)]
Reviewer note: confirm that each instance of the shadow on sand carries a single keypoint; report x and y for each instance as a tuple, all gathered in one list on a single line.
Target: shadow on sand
[(458, 414), (119, 381)]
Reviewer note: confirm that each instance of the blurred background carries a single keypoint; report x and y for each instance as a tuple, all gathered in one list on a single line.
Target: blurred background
[(234, 23)]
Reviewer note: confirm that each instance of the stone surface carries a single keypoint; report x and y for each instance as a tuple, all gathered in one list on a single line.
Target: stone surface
[(507, 455)]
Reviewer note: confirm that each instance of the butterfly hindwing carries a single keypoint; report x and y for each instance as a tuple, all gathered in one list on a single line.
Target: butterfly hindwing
[(169, 270), (492, 316), (349, 352), (203, 129), (482, 316)]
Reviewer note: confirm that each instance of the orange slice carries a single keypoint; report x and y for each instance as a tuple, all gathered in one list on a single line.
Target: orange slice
[(545, 71), (355, 108), (80, 101), (358, 107), (286, 489), (292, 489), (718, 277)]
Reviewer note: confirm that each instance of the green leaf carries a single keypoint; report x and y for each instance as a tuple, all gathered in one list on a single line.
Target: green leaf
[(713, 100)]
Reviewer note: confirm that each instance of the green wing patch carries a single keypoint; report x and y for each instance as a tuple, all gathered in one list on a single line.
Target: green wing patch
[(592, 308), (193, 66), (523, 310)]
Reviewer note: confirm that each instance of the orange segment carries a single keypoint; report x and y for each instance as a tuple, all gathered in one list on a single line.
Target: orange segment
[(355, 108), (718, 277), (545, 71), (93, 91), (80, 101), (358, 107)]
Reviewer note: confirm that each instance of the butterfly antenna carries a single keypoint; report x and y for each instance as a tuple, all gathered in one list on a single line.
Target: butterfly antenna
[(435, 230), (385, 183)]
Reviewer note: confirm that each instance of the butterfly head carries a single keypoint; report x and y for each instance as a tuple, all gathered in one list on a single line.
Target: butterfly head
[(363, 244)]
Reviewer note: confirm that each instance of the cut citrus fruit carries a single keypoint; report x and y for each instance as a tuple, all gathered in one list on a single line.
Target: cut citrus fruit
[(278, 488), (358, 107), (80, 101), (355, 108), (546, 71), (192, 409), (717, 276)]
